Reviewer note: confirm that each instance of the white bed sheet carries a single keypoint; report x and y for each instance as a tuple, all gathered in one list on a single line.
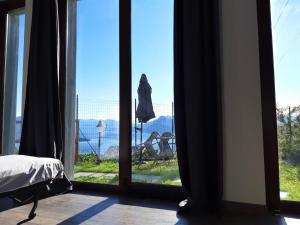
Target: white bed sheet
[(18, 171)]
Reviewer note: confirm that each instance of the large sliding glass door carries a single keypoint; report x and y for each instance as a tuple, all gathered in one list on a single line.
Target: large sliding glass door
[(117, 42)]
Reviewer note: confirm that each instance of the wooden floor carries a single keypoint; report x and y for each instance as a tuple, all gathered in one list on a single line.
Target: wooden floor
[(80, 208)]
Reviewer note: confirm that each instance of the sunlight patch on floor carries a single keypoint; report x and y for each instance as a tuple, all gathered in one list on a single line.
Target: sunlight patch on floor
[(292, 221)]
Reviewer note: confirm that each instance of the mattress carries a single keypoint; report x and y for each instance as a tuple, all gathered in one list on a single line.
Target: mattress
[(19, 171)]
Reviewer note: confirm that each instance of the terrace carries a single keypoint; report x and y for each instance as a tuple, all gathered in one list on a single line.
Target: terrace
[(97, 145)]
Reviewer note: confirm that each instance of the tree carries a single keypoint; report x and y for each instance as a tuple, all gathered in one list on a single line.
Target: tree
[(288, 123)]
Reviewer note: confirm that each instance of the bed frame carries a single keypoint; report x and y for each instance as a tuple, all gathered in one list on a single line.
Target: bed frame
[(35, 192)]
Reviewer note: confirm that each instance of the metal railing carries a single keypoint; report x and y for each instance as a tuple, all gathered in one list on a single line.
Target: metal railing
[(103, 139)]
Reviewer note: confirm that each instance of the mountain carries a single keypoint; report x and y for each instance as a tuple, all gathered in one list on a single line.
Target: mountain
[(88, 128), (161, 124)]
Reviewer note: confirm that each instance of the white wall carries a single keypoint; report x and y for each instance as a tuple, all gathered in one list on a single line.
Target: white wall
[(244, 178)]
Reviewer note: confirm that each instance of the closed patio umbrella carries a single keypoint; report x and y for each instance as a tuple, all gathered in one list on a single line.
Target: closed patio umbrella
[(144, 110)]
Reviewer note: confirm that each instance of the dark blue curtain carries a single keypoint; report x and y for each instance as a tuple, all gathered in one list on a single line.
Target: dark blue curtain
[(197, 103), (42, 128)]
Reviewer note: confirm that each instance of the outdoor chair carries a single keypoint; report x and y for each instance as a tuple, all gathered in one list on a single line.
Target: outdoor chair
[(146, 150), (165, 150)]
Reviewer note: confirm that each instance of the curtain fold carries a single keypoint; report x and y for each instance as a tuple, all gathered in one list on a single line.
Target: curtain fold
[(197, 103), (42, 123)]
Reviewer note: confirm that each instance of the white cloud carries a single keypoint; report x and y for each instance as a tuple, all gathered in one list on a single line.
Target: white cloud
[(284, 101)]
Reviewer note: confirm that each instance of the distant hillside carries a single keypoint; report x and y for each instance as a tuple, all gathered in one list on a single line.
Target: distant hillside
[(89, 130), (161, 124)]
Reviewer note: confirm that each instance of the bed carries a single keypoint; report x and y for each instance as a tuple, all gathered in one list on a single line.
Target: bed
[(25, 179)]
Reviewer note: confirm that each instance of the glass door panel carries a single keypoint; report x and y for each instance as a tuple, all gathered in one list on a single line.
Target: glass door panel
[(20, 91), (13, 82), (154, 158), (97, 88), (286, 47)]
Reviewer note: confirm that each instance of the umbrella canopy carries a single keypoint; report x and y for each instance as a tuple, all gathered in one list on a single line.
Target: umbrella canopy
[(144, 110)]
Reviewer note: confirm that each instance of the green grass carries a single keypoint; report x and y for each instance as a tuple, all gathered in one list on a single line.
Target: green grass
[(161, 181), (167, 170), (290, 181), (108, 166), (101, 180)]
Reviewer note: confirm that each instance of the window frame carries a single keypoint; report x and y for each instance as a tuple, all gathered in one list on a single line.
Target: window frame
[(125, 169), (269, 120)]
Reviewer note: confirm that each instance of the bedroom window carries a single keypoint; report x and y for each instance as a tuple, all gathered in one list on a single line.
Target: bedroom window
[(13, 82), (286, 50)]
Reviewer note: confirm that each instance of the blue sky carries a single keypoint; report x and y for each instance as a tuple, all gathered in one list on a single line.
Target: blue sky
[(286, 46), (20, 65), (152, 49), (98, 52), (98, 48)]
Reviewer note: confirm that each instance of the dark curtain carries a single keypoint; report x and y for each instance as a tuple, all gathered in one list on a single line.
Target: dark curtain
[(197, 103), (42, 128)]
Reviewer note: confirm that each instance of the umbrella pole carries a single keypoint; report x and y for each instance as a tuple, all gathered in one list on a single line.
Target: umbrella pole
[(141, 133), (135, 128), (99, 148), (173, 127), (141, 150)]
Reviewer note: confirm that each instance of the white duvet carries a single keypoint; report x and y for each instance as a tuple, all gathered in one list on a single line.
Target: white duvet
[(18, 171)]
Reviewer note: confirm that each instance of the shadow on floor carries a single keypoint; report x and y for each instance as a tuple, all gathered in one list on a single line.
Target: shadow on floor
[(228, 219), (90, 212)]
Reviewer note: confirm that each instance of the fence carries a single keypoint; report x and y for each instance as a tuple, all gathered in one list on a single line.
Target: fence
[(97, 127)]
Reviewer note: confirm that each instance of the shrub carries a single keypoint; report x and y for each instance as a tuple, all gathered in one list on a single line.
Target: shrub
[(92, 158), (293, 157)]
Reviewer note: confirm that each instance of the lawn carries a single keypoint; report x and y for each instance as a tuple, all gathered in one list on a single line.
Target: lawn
[(167, 170), (168, 173), (164, 172), (108, 166), (290, 181), (100, 180)]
